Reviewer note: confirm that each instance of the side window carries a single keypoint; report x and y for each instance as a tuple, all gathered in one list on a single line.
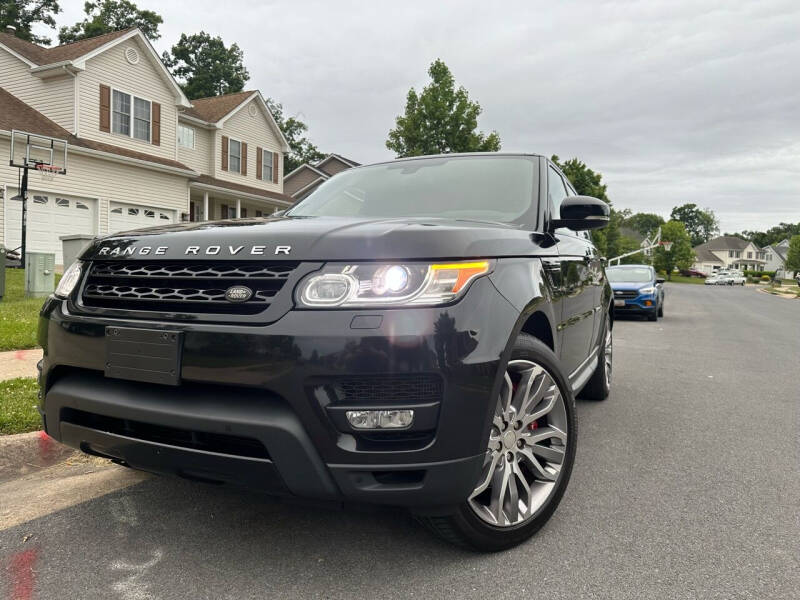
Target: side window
[(555, 191)]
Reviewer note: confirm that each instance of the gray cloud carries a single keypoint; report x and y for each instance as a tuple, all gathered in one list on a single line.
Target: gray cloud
[(673, 101)]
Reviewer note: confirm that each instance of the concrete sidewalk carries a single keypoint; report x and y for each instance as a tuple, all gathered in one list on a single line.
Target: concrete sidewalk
[(19, 363)]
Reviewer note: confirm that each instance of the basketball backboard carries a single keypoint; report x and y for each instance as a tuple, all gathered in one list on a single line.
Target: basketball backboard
[(36, 151)]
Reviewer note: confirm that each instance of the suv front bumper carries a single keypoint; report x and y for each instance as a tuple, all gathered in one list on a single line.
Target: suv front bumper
[(258, 405)]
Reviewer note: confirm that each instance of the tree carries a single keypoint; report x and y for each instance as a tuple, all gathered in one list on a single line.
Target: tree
[(590, 183), (680, 255), (105, 16), (773, 235), (701, 225), (439, 120), (23, 14), (644, 223), (204, 66), (793, 256), (302, 150)]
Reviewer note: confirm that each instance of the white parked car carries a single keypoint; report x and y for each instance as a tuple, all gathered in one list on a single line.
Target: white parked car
[(726, 278), (735, 278)]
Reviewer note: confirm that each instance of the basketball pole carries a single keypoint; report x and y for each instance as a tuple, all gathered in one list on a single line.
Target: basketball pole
[(24, 193)]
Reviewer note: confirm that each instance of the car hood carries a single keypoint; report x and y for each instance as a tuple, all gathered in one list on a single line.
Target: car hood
[(316, 239)]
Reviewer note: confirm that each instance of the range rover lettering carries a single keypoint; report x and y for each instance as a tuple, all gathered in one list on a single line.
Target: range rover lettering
[(412, 334)]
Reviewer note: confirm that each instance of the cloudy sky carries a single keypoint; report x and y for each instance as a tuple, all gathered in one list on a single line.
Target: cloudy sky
[(673, 101)]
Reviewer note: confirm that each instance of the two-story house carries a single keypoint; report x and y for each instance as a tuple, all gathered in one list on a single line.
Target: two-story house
[(728, 252), (776, 255), (139, 152)]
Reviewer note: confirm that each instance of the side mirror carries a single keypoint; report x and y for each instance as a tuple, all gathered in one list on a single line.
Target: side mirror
[(582, 212), (660, 280)]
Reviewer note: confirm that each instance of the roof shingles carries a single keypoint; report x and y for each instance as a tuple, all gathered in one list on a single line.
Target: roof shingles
[(212, 109), (48, 56)]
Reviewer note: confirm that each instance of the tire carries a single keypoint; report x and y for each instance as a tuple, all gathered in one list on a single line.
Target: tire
[(599, 385), (474, 524), (653, 315), (661, 309)]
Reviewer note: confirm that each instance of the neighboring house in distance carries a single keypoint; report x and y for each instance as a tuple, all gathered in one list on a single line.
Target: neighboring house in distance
[(728, 252), (306, 178), (776, 258), (140, 153)]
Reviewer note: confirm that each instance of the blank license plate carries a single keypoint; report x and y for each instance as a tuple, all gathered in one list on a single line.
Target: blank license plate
[(149, 355), (619, 302)]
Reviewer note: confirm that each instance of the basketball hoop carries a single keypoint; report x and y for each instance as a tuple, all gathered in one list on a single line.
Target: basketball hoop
[(666, 245), (48, 172)]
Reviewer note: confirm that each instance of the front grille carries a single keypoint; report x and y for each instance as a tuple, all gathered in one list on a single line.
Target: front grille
[(625, 294), (385, 389), (172, 436), (192, 287)]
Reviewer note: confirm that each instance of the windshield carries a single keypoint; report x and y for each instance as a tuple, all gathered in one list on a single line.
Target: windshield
[(484, 188), (631, 274)]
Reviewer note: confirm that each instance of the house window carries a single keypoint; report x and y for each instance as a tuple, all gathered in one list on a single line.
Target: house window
[(227, 212), (266, 171), (116, 211), (81, 205), (235, 156), (259, 213), (186, 136), (62, 202), (134, 123), (730, 253), (738, 254), (40, 199), (749, 255), (133, 212), (244, 212)]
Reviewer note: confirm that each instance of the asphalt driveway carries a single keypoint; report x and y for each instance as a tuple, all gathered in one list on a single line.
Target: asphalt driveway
[(686, 485)]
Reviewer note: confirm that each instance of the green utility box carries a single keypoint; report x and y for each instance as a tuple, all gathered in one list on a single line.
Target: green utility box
[(2, 271), (40, 270)]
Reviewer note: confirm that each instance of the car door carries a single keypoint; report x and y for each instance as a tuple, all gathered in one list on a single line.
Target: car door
[(575, 258)]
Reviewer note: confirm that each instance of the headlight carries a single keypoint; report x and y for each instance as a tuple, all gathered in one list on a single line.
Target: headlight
[(69, 280), (647, 290), (381, 284)]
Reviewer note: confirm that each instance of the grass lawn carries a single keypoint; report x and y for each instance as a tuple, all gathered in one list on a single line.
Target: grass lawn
[(18, 406), (18, 315)]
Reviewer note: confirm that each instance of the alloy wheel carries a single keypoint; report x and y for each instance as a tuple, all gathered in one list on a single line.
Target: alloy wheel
[(608, 355), (526, 449)]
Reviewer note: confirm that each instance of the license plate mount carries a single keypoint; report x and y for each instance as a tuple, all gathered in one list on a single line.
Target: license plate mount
[(147, 355), (619, 302)]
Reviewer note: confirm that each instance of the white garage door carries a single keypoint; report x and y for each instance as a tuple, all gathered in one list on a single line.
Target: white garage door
[(123, 217), (50, 215)]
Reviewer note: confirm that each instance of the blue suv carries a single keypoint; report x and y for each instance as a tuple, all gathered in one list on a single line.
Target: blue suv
[(637, 290)]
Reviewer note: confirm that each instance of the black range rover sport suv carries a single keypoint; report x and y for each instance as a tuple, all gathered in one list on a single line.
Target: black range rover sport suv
[(411, 334)]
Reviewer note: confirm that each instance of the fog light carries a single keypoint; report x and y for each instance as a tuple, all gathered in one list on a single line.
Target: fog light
[(648, 303), (380, 419)]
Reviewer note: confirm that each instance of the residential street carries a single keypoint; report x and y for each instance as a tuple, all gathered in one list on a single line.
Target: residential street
[(686, 485)]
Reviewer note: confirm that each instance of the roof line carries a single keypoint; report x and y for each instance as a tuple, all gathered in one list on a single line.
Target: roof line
[(307, 165)]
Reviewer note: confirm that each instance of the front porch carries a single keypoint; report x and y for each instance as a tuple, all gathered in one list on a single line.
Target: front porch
[(208, 202)]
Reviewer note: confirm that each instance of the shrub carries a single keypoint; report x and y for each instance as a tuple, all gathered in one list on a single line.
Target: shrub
[(766, 277)]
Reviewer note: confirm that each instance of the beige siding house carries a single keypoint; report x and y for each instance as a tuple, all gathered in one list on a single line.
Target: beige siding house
[(729, 252), (140, 153)]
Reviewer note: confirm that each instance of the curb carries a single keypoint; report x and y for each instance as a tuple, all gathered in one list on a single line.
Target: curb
[(780, 295), (25, 452)]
